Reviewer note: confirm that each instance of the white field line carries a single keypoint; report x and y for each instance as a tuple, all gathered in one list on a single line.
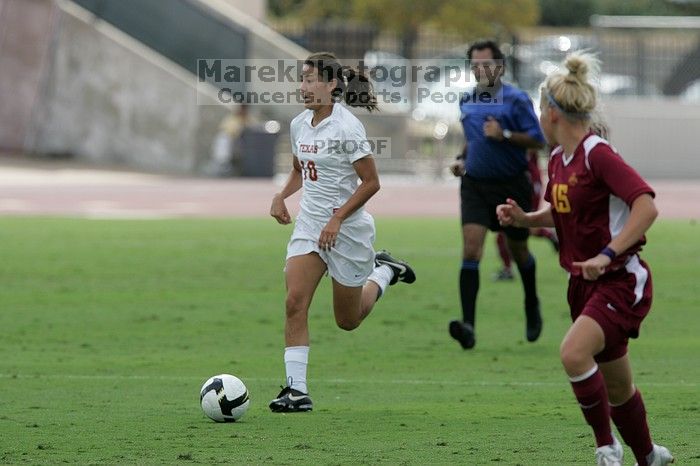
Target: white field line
[(475, 383)]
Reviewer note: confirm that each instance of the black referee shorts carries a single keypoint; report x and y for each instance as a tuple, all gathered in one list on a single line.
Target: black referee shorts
[(481, 197)]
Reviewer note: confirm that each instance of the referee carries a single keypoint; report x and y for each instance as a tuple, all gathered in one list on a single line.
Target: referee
[(499, 126)]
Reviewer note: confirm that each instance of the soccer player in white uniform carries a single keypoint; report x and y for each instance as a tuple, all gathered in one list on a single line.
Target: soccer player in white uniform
[(333, 233)]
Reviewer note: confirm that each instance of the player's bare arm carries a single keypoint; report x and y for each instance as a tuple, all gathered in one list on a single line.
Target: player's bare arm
[(642, 216), (367, 172), (278, 209), (511, 214)]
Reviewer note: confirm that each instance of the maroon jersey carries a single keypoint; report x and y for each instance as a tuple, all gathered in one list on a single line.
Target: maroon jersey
[(591, 193)]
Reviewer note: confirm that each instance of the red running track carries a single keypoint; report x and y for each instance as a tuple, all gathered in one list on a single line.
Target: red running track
[(59, 189)]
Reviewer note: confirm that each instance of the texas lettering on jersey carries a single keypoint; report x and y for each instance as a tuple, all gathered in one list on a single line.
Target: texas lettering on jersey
[(308, 148)]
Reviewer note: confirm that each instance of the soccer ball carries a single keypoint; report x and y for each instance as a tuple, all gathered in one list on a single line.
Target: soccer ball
[(224, 398)]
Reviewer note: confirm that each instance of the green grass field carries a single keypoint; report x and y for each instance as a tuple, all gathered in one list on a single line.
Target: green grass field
[(109, 328)]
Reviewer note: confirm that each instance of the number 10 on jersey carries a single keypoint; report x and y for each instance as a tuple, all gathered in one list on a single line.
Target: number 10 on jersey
[(309, 169)]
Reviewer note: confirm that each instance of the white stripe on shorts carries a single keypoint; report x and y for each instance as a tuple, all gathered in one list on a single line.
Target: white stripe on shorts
[(641, 275)]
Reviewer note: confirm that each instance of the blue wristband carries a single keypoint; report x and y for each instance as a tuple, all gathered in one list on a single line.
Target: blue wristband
[(609, 252)]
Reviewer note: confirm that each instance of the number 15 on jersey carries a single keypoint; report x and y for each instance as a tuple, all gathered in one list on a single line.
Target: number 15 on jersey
[(559, 196)]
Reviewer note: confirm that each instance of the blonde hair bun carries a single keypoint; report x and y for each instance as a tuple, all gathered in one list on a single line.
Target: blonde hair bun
[(573, 91), (580, 64), (577, 67)]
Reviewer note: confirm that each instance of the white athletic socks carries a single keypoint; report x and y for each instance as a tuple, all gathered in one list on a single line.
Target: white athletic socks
[(296, 358), (382, 275)]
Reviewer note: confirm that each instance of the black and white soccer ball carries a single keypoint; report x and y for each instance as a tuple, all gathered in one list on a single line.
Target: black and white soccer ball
[(224, 398)]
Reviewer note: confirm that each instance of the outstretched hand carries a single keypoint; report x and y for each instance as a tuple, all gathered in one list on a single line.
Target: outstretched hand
[(510, 214), (278, 210)]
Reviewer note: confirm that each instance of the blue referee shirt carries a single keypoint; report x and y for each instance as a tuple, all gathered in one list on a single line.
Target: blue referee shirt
[(488, 158)]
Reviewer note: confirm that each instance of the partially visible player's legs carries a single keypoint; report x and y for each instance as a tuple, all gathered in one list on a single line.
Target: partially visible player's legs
[(350, 304), (302, 273), (629, 414), (505, 273), (541, 232), (353, 304), (473, 236), (527, 268), (547, 233), (585, 339), (302, 276)]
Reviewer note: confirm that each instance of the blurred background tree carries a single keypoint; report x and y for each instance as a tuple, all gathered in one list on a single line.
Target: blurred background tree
[(468, 18), (474, 18), (578, 12)]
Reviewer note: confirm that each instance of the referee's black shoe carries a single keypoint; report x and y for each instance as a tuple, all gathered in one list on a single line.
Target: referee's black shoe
[(291, 400), (463, 332), (402, 271), (533, 326)]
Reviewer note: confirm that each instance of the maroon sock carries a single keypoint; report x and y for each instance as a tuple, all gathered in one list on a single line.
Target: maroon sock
[(592, 397), (631, 421), (503, 249)]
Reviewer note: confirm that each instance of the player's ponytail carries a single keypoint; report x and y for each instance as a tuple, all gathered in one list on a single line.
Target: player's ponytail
[(572, 92), (359, 91), (352, 86)]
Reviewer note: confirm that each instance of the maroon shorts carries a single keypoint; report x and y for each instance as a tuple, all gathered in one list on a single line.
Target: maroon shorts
[(618, 301)]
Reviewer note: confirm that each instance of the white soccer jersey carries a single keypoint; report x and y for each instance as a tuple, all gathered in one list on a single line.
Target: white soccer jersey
[(326, 154)]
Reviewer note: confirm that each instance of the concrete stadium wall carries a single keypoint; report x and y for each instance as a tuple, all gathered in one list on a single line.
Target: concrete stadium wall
[(74, 85), (25, 35), (254, 8), (656, 136), (263, 44), (112, 101)]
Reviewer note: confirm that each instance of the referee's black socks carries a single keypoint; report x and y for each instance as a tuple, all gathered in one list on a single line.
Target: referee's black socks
[(468, 288), (527, 275)]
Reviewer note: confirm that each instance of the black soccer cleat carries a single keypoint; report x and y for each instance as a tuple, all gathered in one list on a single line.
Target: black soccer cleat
[(533, 325), (463, 333), (402, 271), (291, 400)]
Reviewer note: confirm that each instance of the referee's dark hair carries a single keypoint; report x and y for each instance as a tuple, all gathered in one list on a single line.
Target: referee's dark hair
[(486, 44)]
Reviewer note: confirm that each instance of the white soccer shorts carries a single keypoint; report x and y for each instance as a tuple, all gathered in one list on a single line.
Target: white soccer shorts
[(351, 261)]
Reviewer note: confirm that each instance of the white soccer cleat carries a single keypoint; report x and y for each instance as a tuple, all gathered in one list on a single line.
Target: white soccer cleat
[(609, 455), (662, 457)]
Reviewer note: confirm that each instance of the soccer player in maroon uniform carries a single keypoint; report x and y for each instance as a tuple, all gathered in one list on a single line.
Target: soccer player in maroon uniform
[(601, 209)]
